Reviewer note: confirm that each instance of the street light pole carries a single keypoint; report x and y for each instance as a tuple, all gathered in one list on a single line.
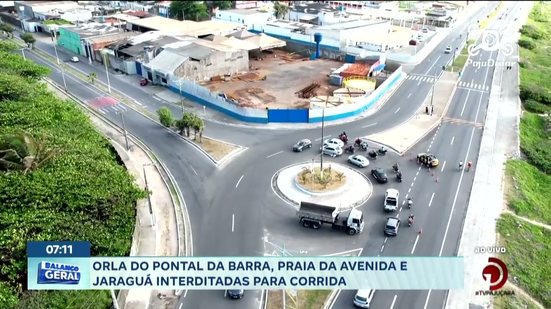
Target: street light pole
[(181, 96), (148, 196), (124, 130), (322, 127), (23, 53), (60, 65), (107, 72), (432, 92)]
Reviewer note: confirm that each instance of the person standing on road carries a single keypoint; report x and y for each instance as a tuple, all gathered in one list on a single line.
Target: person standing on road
[(469, 164)]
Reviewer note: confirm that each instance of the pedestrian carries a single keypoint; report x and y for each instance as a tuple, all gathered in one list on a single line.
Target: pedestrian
[(427, 109), (431, 110)]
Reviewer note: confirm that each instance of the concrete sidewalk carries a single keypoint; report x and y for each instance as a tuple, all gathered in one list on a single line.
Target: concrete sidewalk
[(401, 138), (158, 234)]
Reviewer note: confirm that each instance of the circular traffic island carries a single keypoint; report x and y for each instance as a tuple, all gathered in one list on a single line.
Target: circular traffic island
[(338, 185)]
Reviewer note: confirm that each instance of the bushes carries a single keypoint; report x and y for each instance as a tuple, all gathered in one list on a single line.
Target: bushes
[(536, 107), (165, 117), (80, 194), (535, 142), (532, 32), (527, 43), (534, 92)]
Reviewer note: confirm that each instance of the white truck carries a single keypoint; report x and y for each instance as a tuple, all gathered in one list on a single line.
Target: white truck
[(391, 199), (314, 215)]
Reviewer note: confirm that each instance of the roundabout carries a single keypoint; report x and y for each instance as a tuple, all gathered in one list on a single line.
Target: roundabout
[(338, 186)]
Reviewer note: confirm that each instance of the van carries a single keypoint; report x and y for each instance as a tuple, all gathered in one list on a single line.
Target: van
[(363, 298)]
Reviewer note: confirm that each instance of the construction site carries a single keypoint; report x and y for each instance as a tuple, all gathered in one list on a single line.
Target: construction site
[(277, 80)]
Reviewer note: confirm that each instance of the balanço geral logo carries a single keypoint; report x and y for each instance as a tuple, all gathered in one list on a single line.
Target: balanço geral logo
[(495, 273)]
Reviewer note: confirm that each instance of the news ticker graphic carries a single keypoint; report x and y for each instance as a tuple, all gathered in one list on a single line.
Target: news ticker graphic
[(102, 273)]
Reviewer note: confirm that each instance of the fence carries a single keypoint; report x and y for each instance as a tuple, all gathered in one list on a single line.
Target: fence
[(216, 101)]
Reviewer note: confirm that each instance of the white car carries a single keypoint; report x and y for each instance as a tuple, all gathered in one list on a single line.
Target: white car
[(333, 142), (74, 59), (332, 151), (392, 197), (363, 298), (448, 50), (358, 160)]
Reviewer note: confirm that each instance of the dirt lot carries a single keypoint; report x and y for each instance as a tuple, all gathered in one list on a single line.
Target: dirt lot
[(274, 79)]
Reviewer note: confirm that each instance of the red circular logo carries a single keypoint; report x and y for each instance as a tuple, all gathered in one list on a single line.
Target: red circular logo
[(495, 273)]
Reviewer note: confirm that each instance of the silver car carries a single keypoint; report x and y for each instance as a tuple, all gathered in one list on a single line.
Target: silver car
[(358, 160), (332, 151), (334, 142)]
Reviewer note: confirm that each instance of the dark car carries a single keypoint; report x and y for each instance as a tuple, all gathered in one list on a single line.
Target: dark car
[(234, 294), (428, 159), (391, 226), (302, 144), (379, 175)]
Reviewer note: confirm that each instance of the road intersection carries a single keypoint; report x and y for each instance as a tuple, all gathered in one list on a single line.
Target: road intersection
[(235, 213)]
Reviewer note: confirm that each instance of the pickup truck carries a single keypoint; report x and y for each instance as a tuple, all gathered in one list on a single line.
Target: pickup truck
[(391, 199), (314, 215)]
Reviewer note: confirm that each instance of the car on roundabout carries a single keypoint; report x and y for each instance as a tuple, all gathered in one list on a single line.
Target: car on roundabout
[(334, 142), (302, 144), (358, 160), (428, 159), (332, 151), (380, 175)]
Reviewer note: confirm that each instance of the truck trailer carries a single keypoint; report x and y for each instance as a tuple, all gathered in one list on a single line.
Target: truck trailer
[(314, 215)]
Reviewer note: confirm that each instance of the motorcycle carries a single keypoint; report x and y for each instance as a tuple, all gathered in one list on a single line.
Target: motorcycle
[(399, 176), (372, 154), (363, 145), (396, 168), (382, 151), (349, 149), (343, 138), (410, 220), (410, 203)]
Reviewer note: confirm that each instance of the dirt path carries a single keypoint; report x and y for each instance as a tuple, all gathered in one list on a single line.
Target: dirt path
[(524, 294), (545, 226)]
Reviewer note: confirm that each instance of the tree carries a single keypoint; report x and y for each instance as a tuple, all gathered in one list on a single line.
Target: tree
[(194, 10), (92, 77), (7, 46), (165, 117), (28, 38), (22, 151), (221, 5), (198, 125), (280, 10), (7, 28)]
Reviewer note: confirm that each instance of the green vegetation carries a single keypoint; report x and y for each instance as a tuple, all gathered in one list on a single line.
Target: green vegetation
[(486, 21), (280, 10), (59, 179), (532, 191), (6, 28), (527, 258), (57, 22), (461, 59), (312, 299), (194, 10), (528, 182), (28, 38), (514, 302), (165, 117), (191, 121)]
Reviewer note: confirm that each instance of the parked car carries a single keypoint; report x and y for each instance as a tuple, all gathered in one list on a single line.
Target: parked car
[(332, 151), (391, 226), (380, 175), (74, 59), (448, 50), (334, 142), (234, 294), (302, 144), (358, 160), (412, 42), (425, 30), (363, 298), (428, 159)]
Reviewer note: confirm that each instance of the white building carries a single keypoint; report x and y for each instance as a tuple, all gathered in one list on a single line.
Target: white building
[(251, 19)]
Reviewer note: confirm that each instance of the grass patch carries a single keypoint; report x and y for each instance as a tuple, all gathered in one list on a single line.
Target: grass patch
[(460, 59), (529, 192), (217, 149), (528, 251), (486, 21), (535, 142), (312, 299), (514, 302)]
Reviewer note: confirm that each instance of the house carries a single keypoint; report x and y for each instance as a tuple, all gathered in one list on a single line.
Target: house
[(30, 9), (311, 12), (78, 39), (184, 27), (250, 19)]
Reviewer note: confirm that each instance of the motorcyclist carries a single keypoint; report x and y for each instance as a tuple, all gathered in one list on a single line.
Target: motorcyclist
[(399, 175), (460, 164), (396, 167), (469, 164), (358, 141), (411, 218), (410, 202)]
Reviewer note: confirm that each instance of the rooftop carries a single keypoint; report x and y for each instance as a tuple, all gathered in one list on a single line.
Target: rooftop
[(313, 8), (289, 24), (244, 11), (351, 25), (93, 29), (167, 61), (187, 27)]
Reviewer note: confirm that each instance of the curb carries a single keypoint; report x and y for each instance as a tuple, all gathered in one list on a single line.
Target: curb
[(178, 202)]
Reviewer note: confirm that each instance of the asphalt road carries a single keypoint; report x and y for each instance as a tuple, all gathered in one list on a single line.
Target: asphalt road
[(233, 210)]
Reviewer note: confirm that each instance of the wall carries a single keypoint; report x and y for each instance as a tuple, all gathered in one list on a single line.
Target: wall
[(218, 63), (70, 40), (250, 21), (203, 96)]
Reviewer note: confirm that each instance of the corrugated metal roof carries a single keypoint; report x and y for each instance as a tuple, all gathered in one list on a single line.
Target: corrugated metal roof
[(167, 61), (194, 51)]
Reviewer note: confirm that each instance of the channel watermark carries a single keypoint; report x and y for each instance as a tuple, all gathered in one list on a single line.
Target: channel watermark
[(490, 40)]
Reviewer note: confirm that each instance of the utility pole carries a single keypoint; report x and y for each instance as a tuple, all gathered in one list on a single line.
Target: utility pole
[(148, 195), (124, 130), (181, 96), (322, 127), (107, 72)]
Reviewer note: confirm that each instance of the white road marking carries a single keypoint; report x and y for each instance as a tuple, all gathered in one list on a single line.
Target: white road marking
[(415, 244), (453, 137), (193, 170), (140, 104), (319, 138), (382, 248), (369, 125), (237, 184), (409, 95), (180, 307), (444, 164), (427, 300), (156, 98), (101, 111), (430, 202), (414, 178), (232, 222), (433, 64), (465, 103), (274, 154), (393, 301), (397, 110)]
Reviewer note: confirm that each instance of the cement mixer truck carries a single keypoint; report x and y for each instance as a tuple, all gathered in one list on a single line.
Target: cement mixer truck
[(313, 215)]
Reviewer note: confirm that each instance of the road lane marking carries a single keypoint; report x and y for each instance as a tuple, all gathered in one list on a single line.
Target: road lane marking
[(369, 125), (193, 170), (154, 97), (319, 138), (409, 95), (393, 301), (430, 202), (274, 154), (453, 137), (382, 248), (414, 178), (397, 110), (465, 103), (180, 307), (418, 83), (427, 300), (433, 64), (444, 164), (237, 184), (415, 243), (232, 222)]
